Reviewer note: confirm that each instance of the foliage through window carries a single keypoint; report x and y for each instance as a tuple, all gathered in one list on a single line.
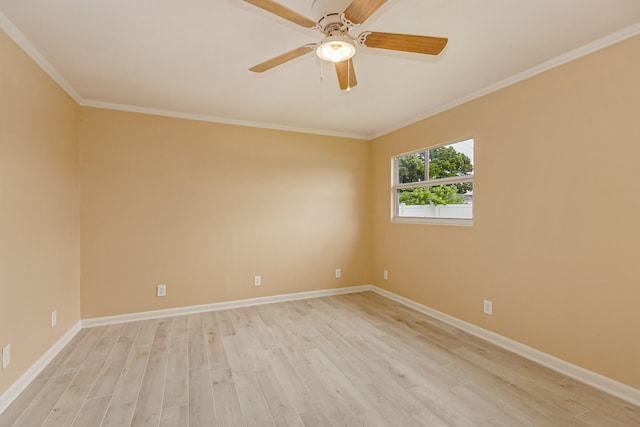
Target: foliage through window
[(435, 183)]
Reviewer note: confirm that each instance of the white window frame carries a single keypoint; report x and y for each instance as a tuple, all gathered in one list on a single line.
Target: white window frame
[(395, 186)]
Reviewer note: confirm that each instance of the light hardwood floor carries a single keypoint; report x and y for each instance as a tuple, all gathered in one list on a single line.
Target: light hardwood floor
[(357, 359)]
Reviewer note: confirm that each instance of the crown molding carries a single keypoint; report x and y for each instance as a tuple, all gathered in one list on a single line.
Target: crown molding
[(216, 119), (587, 49), (21, 40)]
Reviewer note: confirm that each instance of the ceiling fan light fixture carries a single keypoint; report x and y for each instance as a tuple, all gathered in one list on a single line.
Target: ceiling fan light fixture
[(336, 49)]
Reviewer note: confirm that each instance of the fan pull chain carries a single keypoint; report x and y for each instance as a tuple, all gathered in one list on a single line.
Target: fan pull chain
[(348, 75), (321, 75)]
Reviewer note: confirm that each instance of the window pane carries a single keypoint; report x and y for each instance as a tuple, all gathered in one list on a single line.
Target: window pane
[(411, 168), (451, 160), (437, 201)]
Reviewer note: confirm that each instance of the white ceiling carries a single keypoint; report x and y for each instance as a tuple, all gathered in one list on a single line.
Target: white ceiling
[(190, 58)]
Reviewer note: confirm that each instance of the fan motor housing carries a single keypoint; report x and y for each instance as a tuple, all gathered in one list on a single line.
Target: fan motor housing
[(327, 12)]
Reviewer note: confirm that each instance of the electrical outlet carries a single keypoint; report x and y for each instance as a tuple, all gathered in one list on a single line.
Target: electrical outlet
[(54, 318), (385, 274), (162, 291), (338, 273), (488, 307), (6, 355), (257, 281)]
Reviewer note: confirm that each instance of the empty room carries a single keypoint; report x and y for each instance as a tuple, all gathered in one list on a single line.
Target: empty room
[(319, 213)]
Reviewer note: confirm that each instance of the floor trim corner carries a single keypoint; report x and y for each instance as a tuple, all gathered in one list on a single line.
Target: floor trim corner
[(601, 382)]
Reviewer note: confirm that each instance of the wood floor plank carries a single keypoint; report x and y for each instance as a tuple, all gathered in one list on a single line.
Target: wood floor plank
[(385, 408), (295, 333), (67, 396), (176, 416), (225, 397), (436, 404), (92, 412), (108, 378), (608, 405), (128, 385), (162, 338), (348, 360), (149, 404), (130, 332), (147, 332), (394, 393), (282, 410), (260, 329), (330, 403), (372, 420), (547, 410), (119, 415), (16, 409), (293, 387), (337, 384), (315, 419), (82, 350), (225, 324), (42, 404), (176, 389), (289, 348), (267, 313), (216, 356), (197, 348), (254, 407), (71, 401), (201, 409), (215, 351), (239, 318), (594, 419), (425, 417)]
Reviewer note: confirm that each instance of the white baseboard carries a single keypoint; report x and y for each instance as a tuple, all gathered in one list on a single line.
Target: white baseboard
[(606, 384), (180, 311), (25, 379), (18, 387)]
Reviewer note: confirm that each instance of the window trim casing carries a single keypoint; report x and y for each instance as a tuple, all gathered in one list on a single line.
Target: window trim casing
[(395, 186)]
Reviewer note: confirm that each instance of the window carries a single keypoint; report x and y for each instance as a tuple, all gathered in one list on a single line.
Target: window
[(434, 185)]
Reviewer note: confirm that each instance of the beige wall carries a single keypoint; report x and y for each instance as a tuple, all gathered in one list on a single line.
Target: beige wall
[(203, 207), (39, 211), (556, 240)]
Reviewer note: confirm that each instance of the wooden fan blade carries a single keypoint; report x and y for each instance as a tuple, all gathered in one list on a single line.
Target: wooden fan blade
[(346, 74), (274, 62), (359, 10), (283, 12), (405, 42)]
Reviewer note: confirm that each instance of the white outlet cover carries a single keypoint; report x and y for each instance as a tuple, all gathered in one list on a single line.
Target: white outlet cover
[(6, 355), (257, 281), (54, 318), (488, 307), (386, 275), (338, 273), (162, 291)]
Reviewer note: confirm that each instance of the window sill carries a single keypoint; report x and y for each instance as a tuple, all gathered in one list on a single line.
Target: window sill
[(459, 222)]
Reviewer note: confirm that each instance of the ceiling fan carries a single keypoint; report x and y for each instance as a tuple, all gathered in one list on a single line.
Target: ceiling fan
[(335, 19)]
